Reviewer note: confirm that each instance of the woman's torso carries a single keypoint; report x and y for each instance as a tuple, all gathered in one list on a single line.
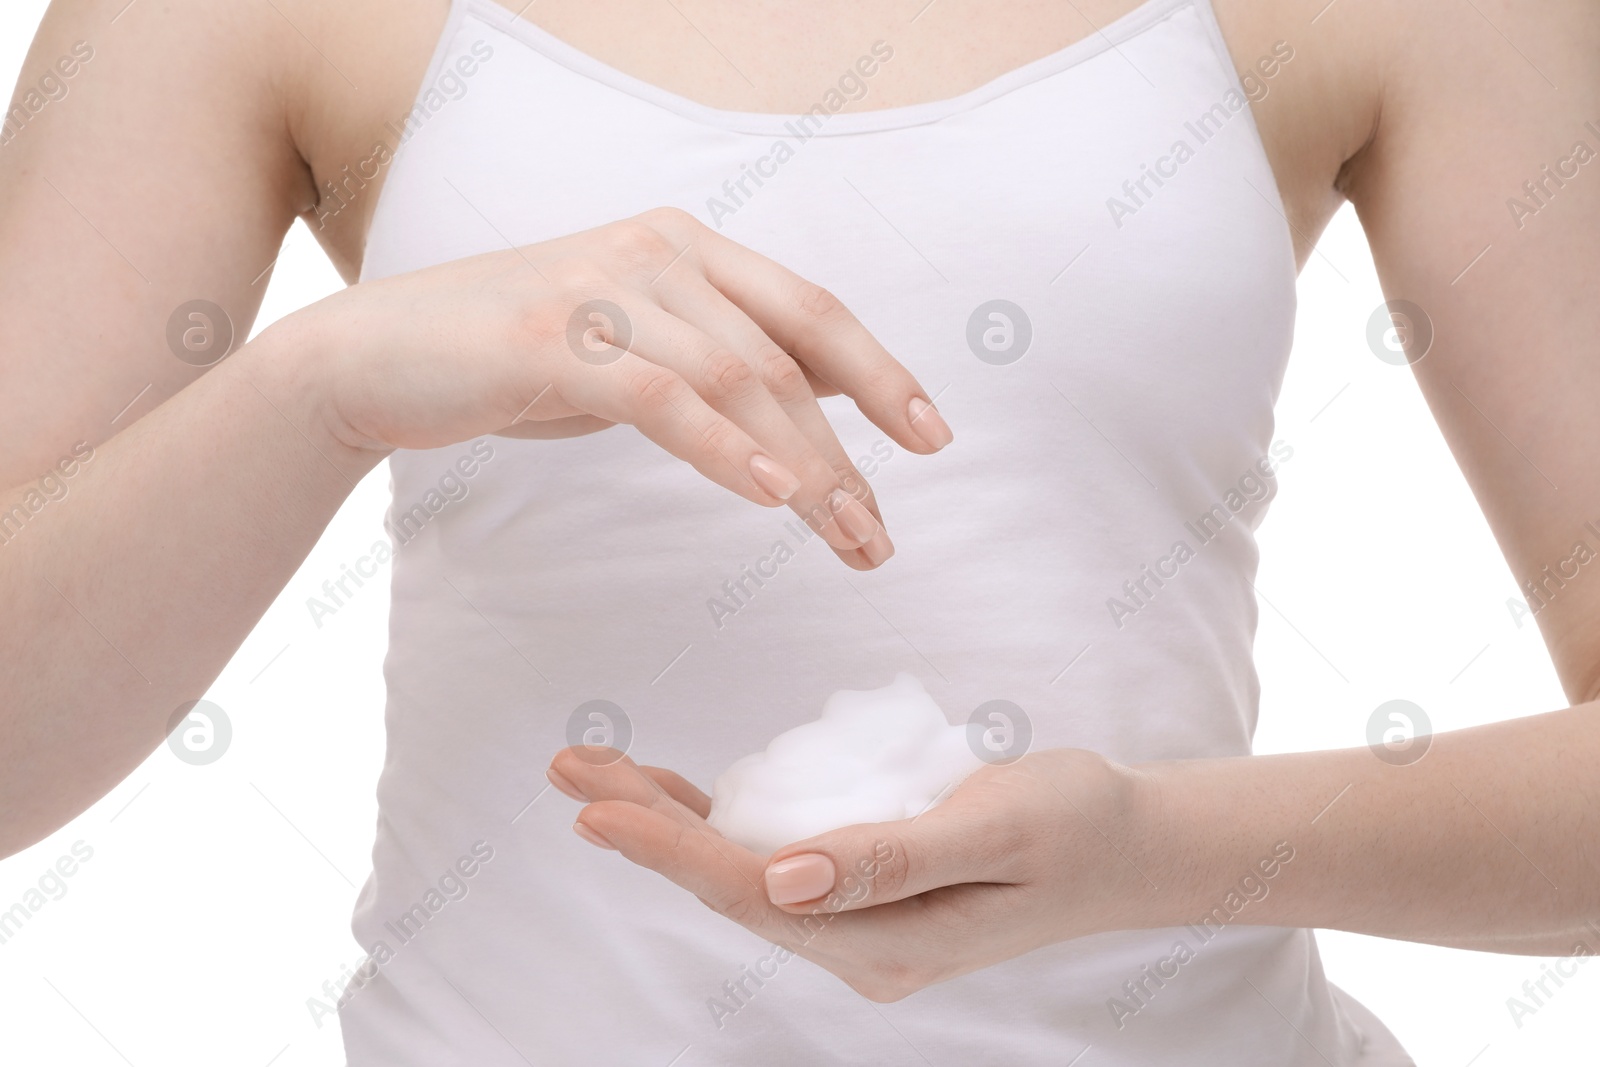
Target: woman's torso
[(1084, 551)]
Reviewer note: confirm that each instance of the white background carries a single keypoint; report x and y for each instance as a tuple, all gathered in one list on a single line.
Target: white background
[(218, 898)]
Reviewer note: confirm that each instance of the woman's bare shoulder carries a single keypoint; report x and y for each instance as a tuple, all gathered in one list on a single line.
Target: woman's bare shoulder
[(351, 69), (1321, 101), (1370, 80)]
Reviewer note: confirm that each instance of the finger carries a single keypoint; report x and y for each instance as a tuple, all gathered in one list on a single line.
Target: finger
[(734, 389), (633, 813), (819, 387), (725, 876), (552, 429), (680, 789), (821, 332), (878, 548), (695, 301), (661, 405), (877, 863), (591, 773)]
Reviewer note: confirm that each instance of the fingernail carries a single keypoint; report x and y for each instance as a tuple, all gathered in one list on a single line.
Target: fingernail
[(591, 836), (879, 548), (773, 478), (563, 783), (854, 519), (929, 424), (799, 878)]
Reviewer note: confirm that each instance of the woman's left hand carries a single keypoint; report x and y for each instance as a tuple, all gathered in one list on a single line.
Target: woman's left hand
[(1020, 856)]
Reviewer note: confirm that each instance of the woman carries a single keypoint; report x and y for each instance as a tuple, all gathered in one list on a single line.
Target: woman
[(1073, 228)]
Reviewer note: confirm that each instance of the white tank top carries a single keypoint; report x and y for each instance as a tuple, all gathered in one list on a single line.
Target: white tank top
[(1083, 550)]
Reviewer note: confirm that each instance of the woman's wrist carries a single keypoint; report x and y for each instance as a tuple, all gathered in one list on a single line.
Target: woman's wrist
[(300, 364), (1211, 852), (1129, 858)]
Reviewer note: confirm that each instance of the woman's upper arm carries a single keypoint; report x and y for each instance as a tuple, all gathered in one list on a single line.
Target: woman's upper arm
[(159, 171), (1507, 273)]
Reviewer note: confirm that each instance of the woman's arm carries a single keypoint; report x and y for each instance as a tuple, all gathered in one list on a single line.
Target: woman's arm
[(136, 558), (1490, 841), (160, 171), (1480, 195), (1481, 215)]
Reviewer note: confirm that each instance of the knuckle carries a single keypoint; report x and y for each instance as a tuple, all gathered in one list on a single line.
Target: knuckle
[(880, 380), (669, 219), (661, 800), (854, 483), (578, 279), (820, 304), (673, 847), (743, 910), (543, 325), (782, 375), (725, 378), (722, 439), (652, 389), (892, 875), (636, 242)]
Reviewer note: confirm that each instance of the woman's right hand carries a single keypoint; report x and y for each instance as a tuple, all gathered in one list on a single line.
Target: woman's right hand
[(711, 350)]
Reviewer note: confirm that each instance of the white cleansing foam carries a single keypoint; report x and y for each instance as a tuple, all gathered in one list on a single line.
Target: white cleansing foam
[(874, 756)]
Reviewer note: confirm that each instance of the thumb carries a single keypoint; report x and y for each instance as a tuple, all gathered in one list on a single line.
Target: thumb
[(875, 863)]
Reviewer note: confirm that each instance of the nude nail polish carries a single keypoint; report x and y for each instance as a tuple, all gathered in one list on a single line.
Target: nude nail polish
[(563, 783), (879, 548), (929, 424), (799, 878), (773, 478), (592, 836), (855, 521)]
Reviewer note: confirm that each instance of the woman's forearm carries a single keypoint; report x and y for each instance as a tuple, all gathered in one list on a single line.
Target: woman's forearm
[(127, 596), (1490, 841)]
